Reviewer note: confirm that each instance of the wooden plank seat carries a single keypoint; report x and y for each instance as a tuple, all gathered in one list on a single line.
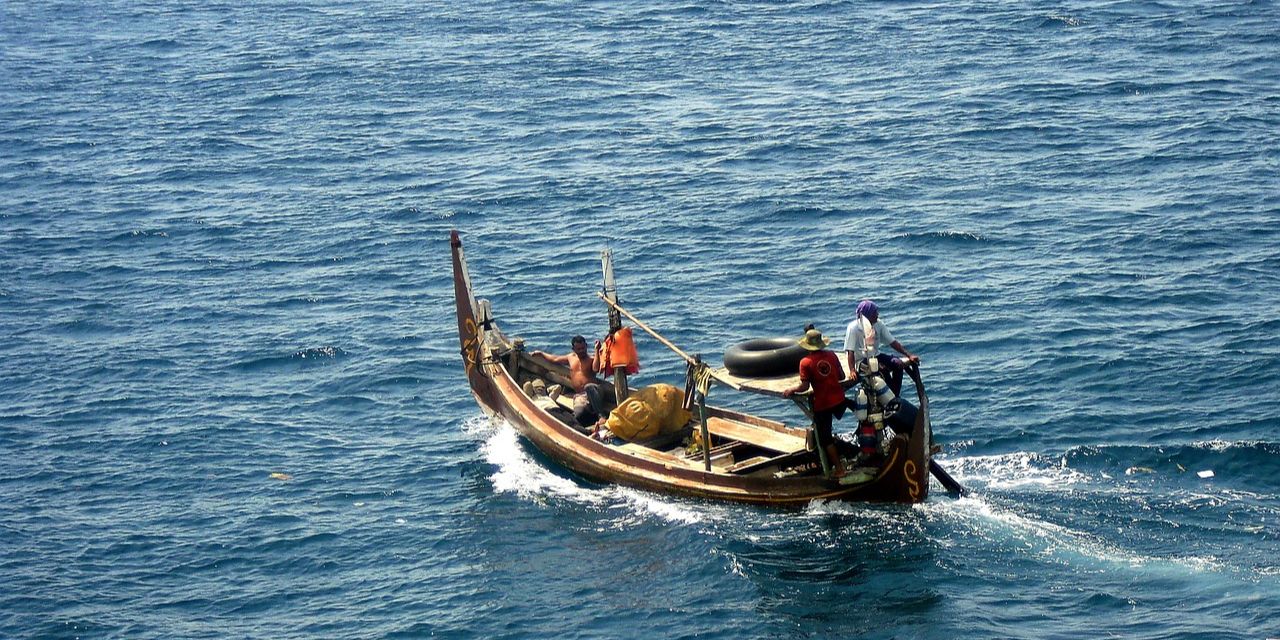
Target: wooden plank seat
[(763, 437), (659, 456), (565, 401), (749, 464)]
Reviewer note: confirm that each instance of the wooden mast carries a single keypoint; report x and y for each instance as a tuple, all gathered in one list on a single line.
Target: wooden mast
[(610, 295)]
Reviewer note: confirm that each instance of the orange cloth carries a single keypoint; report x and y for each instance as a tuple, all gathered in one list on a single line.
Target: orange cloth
[(619, 350)]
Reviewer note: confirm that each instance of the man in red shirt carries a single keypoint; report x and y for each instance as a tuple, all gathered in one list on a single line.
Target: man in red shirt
[(821, 370)]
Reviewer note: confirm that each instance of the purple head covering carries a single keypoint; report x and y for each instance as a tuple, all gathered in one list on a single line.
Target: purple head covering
[(867, 308)]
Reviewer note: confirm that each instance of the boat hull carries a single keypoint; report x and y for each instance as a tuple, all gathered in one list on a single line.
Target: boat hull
[(903, 477)]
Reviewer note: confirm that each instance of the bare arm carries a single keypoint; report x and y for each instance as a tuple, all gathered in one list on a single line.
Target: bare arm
[(564, 360), (897, 346), (800, 388)]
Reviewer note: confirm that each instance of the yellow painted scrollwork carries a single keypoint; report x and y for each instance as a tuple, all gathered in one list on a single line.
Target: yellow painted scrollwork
[(471, 346), (909, 472)]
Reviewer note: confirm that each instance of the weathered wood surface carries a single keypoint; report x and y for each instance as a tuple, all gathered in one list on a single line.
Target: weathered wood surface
[(659, 456), (763, 386), (759, 436)]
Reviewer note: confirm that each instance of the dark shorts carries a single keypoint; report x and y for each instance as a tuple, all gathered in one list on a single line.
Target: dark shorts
[(891, 368), (588, 405), (822, 422)]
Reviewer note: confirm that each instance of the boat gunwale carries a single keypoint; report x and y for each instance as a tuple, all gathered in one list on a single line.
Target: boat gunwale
[(588, 456)]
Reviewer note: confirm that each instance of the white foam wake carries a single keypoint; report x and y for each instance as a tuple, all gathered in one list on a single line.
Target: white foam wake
[(1014, 470), (1052, 542), (518, 473)]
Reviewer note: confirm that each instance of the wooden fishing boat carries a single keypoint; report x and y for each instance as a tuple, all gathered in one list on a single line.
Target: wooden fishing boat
[(750, 459)]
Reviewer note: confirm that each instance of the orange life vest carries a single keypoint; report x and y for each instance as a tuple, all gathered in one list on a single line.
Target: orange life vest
[(619, 350)]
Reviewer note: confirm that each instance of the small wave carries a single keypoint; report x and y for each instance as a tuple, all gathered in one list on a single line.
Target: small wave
[(316, 353), (297, 302), (161, 44), (1059, 21), (304, 357), (944, 237), (276, 99), (140, 233), (88, 327)]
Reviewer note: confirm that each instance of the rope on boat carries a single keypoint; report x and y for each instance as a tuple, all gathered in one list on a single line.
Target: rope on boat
[(702, 378)]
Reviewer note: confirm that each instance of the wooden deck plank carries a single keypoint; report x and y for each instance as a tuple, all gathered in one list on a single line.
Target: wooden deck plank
[(765, 386), (659, 456), (759, 436)]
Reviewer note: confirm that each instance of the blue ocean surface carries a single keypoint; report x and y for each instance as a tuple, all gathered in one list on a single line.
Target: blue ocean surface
[(231, 398)]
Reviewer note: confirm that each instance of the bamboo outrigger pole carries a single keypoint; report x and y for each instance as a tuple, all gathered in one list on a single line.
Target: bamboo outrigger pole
[(687, 358)]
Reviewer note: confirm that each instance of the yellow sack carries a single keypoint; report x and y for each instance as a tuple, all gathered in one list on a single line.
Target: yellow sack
[(650, 412)]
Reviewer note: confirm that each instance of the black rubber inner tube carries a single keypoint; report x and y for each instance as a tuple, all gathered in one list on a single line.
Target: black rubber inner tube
[(764, 357)]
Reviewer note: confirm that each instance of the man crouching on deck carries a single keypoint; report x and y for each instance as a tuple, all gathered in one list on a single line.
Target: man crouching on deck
[(588, 408), (822, 370)]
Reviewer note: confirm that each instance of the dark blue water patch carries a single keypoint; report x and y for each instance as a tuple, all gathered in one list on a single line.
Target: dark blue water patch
[(351, 405), (85, 326), (161, 44)]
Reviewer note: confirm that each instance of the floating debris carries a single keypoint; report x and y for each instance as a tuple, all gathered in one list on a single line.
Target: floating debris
[(281, 476), (1207, 473), (1132, 470)]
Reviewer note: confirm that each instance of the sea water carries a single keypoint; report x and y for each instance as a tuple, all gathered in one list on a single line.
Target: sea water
[(232, 403)]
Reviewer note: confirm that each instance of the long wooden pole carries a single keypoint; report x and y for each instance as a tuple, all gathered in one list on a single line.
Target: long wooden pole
[(698, 374), (706, 431), (610, 295)]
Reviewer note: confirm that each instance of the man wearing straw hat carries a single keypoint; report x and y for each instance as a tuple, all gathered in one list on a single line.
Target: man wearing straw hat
[(821, 369)]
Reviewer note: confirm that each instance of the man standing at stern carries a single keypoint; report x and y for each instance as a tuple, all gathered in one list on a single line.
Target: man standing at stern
[(821, 370)]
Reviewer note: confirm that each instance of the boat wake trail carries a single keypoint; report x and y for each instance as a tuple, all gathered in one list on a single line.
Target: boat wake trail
[(1138, 506), (518, 472), (1010, 531)]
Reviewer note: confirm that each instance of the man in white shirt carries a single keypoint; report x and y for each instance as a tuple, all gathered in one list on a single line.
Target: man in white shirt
[(863, 339)]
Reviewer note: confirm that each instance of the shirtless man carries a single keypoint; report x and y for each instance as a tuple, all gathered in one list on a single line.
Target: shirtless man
[(588, 408)]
